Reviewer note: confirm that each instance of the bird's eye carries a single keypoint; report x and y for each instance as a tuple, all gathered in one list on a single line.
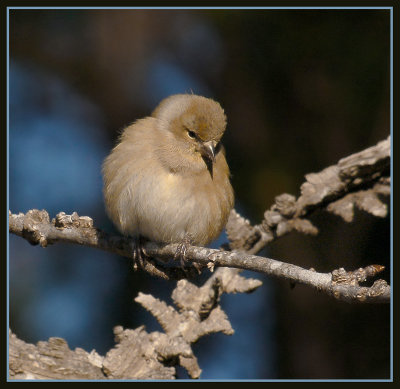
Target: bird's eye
[(191, 134)]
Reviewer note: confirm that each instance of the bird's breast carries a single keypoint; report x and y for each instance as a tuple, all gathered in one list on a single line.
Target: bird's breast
[(176, 206)]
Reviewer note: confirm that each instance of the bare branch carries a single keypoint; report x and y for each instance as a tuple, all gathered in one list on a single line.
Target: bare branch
[(51, 360), (357, 180), (37, 228), (139, 354)]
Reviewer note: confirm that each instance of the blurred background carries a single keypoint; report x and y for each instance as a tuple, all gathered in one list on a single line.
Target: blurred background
[(301, 89)]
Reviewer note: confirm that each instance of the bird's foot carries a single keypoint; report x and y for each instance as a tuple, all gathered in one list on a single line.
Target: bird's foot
[(139, 253), (181, 251)]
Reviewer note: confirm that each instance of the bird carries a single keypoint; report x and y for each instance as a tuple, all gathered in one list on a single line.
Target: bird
[(167, 179)]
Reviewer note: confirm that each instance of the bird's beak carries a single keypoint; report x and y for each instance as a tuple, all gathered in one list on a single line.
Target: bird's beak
[(208, 153), (208, 150)]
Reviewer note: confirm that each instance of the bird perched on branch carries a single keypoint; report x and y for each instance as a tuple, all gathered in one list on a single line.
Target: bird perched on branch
[(167, 179)]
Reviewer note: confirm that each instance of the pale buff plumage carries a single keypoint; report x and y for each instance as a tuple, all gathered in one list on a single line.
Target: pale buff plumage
[(160, 181)]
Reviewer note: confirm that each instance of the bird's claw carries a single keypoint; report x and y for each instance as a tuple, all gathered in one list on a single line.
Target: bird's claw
[(138, 253), (180, 254)]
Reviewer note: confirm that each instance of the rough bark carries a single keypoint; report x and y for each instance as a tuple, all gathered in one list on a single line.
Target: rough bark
[(139, 354), (355, 181)]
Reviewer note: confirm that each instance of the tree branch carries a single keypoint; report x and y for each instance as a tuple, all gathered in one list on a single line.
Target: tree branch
[(36, 227), (139, 354), (355, 181)]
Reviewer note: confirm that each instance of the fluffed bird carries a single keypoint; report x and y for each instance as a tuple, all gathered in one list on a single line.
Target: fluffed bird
[(167, 178)]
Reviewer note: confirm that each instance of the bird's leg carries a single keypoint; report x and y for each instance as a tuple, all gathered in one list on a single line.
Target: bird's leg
[(139, 253), (181, 253)]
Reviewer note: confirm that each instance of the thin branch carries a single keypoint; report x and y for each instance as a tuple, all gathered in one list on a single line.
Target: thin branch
[(36, 227)]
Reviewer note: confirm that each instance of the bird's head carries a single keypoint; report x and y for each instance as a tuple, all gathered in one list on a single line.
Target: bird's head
[(197, 123)]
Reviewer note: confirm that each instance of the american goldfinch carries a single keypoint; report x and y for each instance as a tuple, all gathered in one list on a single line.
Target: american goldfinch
[(167, 178)]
